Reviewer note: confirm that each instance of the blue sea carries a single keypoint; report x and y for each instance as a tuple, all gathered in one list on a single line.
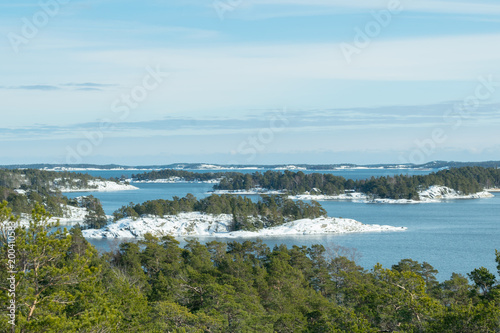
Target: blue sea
[(453, 236)]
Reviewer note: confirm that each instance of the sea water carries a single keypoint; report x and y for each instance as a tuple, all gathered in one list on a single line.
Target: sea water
[(453, 236)]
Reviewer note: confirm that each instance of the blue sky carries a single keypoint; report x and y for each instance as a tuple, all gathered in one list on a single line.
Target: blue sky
[(249, 81)]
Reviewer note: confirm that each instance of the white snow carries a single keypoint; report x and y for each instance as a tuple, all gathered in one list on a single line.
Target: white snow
[(222, 167), (321, 225), (290, 167), (355, 196), (72, 215), (99, 186), (200, 224), (183, 224), (253, 191), (446, 193)]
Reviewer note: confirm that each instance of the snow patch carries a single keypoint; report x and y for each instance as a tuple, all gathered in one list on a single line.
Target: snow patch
[(72, 215), (445, 193), (290, 167), (355, 196), (253, 191), (99, 186)]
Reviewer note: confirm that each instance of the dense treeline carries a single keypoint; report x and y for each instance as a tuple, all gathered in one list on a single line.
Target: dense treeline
[(64, 285), (466, 180), (247, 215), (184, 175)]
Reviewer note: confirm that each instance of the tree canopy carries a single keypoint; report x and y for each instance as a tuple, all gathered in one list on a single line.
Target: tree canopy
[(64, 285)]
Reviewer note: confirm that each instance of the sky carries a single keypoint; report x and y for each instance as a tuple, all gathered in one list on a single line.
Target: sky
[(249, 81)]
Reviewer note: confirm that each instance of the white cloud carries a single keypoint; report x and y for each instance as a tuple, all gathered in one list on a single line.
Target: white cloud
[(437, 58), (241, 77)]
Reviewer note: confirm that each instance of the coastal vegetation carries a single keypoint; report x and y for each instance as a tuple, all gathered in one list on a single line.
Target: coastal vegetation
[(63, 284), (269, 211)]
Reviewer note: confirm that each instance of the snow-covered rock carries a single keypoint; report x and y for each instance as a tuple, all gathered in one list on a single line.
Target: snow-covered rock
[(99, 186), (183, 224), (321, 225), (72, 216), (446, 193), (355, 196), (200, 224), (290, 167)]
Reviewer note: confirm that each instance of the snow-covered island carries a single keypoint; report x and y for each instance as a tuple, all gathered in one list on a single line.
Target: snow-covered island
[(432, 194), (201, 224), (96, 185)]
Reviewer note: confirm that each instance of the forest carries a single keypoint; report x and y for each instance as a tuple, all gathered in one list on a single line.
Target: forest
[(269, 211), (466, 180), (63, 284)]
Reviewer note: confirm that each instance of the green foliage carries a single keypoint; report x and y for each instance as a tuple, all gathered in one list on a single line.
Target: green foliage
[(483, 280), (96, 218)]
